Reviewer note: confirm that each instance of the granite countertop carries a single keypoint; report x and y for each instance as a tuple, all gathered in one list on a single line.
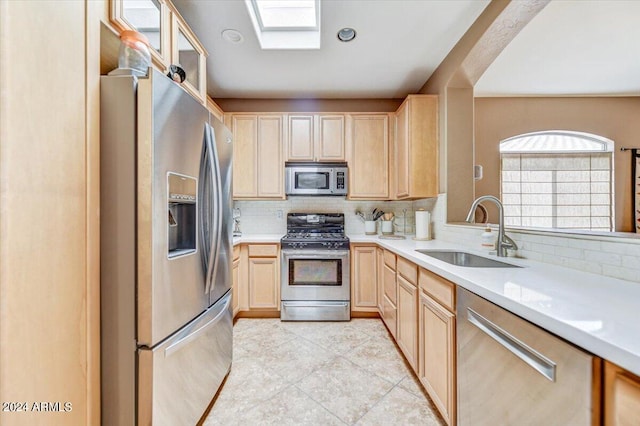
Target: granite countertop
[(594, 312)]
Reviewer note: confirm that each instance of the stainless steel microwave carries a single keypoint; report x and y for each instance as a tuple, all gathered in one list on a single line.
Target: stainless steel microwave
[(315, 178)]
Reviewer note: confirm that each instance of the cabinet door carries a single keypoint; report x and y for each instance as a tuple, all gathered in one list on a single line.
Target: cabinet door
[(245, 155), (235, 297), (422, 146), (300, 138), (401, 166), (368, 157), (621, 396), (154, 24), (189, 53), (364, 292), (389, 315), (270, 164), (263, 283), (437, 356), (330, 138), (407, 328), (380, 276), (389, 282)]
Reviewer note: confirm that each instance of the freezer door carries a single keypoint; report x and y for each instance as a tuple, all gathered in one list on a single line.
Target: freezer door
[(170, 275), (178, 379), (223, 154)]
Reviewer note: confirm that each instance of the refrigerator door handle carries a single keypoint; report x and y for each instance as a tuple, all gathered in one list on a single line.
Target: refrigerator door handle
[(193, 335), (218, 202), (207, 195)]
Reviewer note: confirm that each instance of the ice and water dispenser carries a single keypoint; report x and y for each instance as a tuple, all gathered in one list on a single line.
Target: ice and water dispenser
[(182, 214)]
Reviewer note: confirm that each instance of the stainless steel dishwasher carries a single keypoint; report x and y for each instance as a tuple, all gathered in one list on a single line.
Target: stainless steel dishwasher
[(511, 372)]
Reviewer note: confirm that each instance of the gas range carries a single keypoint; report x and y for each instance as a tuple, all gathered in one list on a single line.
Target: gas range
[(315, 231), (315, 269)]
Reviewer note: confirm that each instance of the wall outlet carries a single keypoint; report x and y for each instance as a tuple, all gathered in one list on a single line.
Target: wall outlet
[(279, 214)]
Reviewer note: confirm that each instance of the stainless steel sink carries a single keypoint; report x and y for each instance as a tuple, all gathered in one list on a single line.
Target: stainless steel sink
[(461, 258)]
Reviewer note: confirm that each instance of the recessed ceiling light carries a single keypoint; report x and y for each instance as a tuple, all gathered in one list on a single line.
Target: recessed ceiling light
[(346, 34), (232, 36)]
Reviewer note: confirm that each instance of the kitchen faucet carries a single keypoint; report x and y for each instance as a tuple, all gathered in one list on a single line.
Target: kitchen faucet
[(504, 242)]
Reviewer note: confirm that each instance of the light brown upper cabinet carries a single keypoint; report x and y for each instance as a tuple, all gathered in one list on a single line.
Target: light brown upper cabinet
[(171, 39), (190, 55), (214, 109), (258, 168), (315, 137), (415, 168), (149, 17), (368, 156)]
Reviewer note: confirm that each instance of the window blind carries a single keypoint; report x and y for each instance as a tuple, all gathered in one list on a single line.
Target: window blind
[(558, 190)]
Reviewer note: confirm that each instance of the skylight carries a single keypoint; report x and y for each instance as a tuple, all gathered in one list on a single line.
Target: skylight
[(286, 24), (275, 15)]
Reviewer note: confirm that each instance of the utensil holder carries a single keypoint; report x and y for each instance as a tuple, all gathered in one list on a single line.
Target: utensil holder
[(370, 227), (387, 227)]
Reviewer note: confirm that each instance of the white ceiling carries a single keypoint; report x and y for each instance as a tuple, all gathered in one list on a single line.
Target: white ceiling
[(571, 48), (398, 46)]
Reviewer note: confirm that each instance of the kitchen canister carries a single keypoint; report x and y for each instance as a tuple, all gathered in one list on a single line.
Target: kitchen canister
[(387, 227), (423, 225), (370, 227)]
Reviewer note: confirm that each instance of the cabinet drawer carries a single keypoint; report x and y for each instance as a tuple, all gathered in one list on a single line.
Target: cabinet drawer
[(236, 252), (443, 291), (263, 250), (408, 270), (390, 259), (389, 315)]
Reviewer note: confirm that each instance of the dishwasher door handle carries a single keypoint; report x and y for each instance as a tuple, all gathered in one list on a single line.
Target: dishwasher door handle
[(533, 358)]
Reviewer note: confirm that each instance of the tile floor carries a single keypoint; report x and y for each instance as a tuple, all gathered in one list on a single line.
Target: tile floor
[(319, 373)]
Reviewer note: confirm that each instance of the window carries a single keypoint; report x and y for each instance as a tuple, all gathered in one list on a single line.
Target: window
[(286, 24), (275, 15), (557, 179)]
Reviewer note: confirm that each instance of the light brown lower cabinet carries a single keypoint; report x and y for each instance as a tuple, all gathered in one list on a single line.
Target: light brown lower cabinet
[(379, 275), (235, 288), (407, 320), (389, 285), (364, 282), (437, 342), (437, 350), (621, 396), (264, 277)]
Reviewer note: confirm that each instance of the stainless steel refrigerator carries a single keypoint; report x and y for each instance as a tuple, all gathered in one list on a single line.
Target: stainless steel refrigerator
[(166, 317)]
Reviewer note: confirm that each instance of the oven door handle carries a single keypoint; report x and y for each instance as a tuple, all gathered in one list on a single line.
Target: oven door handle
[(315, 254)]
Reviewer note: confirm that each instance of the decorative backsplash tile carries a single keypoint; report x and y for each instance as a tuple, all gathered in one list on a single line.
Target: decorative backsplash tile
[(270, 217)]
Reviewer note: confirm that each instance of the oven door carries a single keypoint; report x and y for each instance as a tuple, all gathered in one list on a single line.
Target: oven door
[(315, 275)]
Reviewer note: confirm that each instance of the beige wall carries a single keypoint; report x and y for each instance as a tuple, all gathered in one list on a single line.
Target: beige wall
[(453, 81), (615, 118)]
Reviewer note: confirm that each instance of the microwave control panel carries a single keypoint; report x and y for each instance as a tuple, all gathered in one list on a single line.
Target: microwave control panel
[(339, 180)]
